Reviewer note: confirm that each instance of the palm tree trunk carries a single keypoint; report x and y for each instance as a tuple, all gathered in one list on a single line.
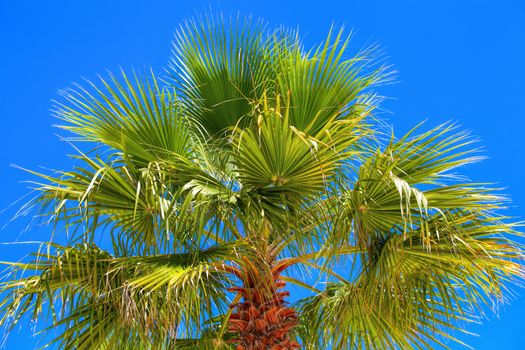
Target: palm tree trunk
[(262, 320)]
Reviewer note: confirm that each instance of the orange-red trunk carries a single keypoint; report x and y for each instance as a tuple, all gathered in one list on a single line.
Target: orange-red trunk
[(262, 320)]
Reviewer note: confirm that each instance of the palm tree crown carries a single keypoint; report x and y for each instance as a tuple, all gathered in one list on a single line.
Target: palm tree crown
[(257, 165)]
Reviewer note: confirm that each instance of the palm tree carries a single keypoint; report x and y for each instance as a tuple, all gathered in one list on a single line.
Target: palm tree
[(254, 169)]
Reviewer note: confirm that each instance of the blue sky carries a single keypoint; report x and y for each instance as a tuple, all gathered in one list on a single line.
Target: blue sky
[(456, 60)]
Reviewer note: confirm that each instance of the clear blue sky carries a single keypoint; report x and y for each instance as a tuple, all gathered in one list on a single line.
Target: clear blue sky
[(456, 60)]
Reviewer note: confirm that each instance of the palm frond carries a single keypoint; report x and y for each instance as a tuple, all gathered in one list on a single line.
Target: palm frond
[(97, 298), (399, 187), (136, 116), (323, 84), (220, 67), (414, 297)]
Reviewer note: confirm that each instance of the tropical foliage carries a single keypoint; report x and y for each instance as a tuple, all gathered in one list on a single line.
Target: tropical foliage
[(255, 166)]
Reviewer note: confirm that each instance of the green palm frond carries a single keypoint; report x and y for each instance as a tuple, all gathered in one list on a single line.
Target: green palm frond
[(435, 253), (324, 84), (280, 167), (414, 297), (399, 187), (163, 204), (221, 66), (136, 116), (101, 298)]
